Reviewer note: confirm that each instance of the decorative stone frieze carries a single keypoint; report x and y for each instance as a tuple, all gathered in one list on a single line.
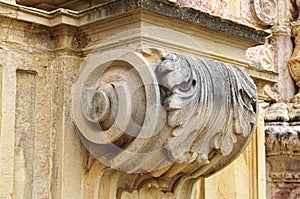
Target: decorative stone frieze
[(282, 156), (293, 63), (283, 149), (282, 140)]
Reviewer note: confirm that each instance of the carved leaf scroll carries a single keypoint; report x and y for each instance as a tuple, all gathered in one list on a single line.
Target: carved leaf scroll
[(158, 118), (207, 102)]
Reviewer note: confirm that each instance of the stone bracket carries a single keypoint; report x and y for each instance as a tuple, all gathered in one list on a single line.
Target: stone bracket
[(139, 113)]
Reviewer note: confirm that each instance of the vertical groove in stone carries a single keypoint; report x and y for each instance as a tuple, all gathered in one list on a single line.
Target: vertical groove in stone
[(25, 134), (42, 157)]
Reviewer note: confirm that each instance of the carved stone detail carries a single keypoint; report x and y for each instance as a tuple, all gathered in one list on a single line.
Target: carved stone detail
[(281, 30), (295, 194), (282, 152), (277, 112), (187, 98), (294, 62), (263, 54), (294, 8), (282, 140), (272, 92), (178, 118), (264, 11)]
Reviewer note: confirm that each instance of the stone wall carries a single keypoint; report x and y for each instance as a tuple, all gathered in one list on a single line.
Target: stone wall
[(41, 153), (282, 106)]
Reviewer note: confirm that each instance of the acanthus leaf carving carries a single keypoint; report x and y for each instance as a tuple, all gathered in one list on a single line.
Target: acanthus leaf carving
[(185, 81)]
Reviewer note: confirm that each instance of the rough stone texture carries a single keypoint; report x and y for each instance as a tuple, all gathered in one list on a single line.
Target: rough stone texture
[(283, 147), (25, 140), (41, 155), (282, 115), (9, 1), (215, 7)]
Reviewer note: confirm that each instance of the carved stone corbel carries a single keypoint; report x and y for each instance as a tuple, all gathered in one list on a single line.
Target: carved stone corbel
[(171, 116)]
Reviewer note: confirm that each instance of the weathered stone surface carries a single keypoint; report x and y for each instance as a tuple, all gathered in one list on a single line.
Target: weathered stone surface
[(216, 7), (178, 121), (275, 16), (282, 149), (43, 156), (293, 63), (262, 54), (265, 11), (277, 112), (9, 1)]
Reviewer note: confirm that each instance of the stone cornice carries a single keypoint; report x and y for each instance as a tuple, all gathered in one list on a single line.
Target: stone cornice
[(113, 8)]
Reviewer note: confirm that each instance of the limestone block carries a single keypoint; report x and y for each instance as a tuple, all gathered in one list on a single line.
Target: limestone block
[(9, 1)]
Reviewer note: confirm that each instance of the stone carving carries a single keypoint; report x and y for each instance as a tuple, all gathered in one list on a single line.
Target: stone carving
[(139, 114), (295, 193), (277, 112), (264, 11), (282, 152), (263, 54), (295, 4), (272, 91), (294, 62), (190, 106), (282, 140)]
